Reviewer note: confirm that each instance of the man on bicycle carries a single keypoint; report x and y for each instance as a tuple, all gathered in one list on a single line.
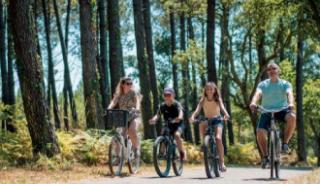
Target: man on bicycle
[(275, 94), (172, 111)]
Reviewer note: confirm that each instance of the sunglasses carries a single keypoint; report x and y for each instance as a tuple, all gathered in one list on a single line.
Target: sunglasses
[(273, 68), (128, 83), (167, 95)]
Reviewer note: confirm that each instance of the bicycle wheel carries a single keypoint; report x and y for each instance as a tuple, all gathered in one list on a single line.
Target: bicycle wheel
[(277, 155), (177, 162), (211, 158), (272, 154), (133, 160), (116, 156), (161, 156)]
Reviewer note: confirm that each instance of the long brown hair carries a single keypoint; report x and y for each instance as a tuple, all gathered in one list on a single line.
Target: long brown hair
[(216, 94)]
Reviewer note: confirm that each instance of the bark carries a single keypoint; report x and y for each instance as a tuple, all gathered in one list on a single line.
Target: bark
[(212, 73), (3, 63), (173, 49), (51, 80), (66, 33), (151, 64), (115, 47), (224, 46), (185, 78), (10, 49), (302, 155), (194, 98), (102, 61), (67, 80), (315, 8), (89, 54), (30, 75), (149, 131)]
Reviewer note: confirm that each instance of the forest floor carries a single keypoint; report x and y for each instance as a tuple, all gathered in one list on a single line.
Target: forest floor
[(192, 174)]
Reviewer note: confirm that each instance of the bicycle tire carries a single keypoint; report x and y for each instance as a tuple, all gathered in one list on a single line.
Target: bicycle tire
[(177, 162), (156, 157), (133, 161), (272, 154), (211, 160), (115, 171)]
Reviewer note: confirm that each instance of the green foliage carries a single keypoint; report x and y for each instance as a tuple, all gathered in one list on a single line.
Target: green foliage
[(243, 154)]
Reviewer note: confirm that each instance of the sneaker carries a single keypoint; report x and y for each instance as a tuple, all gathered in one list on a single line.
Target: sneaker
[(265, 163), (285, 148)]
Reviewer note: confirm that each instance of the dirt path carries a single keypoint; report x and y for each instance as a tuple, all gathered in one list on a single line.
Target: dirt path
[(234, 175)]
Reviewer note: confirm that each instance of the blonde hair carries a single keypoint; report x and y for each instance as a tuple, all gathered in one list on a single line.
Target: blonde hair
[(216, 95), (119, 89)]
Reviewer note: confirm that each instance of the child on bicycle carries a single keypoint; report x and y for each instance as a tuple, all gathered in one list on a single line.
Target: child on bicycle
[(172, 110), (212, 105)]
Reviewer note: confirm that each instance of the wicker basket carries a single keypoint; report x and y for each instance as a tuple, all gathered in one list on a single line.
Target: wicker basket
[(117, 118)]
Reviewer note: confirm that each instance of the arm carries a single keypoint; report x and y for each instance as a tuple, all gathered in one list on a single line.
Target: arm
[(113, 103), (224, 111), (255, 99), (196, 112), (138, 102), (155, 118), (290, 98)]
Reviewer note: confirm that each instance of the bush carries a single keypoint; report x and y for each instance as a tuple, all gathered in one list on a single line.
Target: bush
[(243, 154)]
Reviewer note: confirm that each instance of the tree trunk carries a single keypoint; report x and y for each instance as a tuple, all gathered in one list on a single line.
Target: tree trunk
[(212, 73), (115, 47), (3, 63), (11, 94), (102, 61), (149, 131), (51, 80), (89, 54), (173, 50), (67, 80), (194, 98), (224, 46), (302, 155), (35, 11), (185, 78), (30, 74), (151, 64), (66, 33), (202, 74)]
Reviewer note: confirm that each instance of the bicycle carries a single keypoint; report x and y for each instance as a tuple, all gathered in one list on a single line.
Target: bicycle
[(210, 152), (274, 142), (120, 148), (165, 152)]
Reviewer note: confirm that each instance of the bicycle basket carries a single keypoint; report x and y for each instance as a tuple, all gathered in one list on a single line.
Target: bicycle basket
[(117, 118)]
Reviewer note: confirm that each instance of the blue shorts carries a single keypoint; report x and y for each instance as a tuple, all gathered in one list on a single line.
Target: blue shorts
[(216, 121), (265, 118)]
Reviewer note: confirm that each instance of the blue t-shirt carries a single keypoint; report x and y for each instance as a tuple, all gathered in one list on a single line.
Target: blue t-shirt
[(274, 95)]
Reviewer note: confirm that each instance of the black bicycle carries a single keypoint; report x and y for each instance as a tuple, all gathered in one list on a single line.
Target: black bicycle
[(166, 152), (210, 151), (120, 148), (274, 142)]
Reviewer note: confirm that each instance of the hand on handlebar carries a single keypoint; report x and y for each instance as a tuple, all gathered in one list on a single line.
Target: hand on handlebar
[(191, 119), (152, 121), (253, 107)]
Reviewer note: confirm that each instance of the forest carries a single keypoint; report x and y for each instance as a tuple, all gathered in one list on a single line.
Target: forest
[(61, 61)]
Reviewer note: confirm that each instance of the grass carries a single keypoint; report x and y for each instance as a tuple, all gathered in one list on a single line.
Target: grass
[(310, 178)]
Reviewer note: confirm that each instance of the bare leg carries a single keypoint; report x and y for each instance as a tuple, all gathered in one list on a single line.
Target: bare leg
[(178, 139), (132, 132), (290, 127), (202, 128), (262, 141), (218, 136)]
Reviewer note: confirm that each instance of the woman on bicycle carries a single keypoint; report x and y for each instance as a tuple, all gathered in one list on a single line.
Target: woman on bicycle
[(126, 98), (212, 105), (172, 110)]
